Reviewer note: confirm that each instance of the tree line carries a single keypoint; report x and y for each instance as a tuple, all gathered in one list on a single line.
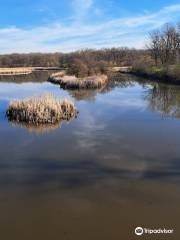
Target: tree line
[(89, 62), (164, 45), (81, 63)]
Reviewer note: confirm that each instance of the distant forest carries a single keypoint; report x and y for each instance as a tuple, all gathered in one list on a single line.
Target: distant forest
[(81, 63), (112, 56)]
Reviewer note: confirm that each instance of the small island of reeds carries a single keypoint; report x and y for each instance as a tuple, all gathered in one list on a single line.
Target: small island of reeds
[(44, 109), (73, 82)]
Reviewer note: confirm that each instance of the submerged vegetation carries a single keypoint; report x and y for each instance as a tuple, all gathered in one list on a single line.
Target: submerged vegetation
[(41, 110), (72, 82)]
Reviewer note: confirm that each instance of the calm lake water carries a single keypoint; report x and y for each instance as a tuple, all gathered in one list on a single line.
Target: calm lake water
[(97, 177)]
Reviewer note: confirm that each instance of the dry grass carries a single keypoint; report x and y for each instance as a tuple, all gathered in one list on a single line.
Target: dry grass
[(24, 70), (72, 82), (41, 110), (124, 69), (58, 74), (16, 71)]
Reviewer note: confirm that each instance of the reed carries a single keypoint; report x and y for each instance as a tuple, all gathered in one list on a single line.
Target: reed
[(44, 109), (72, 82), (16, 71)]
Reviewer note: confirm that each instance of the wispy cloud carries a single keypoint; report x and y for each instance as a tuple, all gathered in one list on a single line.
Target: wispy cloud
[(81, 7), (131, 31)]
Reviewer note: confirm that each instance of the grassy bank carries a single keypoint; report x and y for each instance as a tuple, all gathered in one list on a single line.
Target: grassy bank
[(166, 74), (16, 71), (41, 110), (72, 82)]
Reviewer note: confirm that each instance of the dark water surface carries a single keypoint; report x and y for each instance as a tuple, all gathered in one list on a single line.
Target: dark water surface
[(115, 167)]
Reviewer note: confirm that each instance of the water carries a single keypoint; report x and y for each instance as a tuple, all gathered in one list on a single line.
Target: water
[(115, 167)]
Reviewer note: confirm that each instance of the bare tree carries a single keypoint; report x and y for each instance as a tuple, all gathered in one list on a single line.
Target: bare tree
[(165, 45), (154, 45)]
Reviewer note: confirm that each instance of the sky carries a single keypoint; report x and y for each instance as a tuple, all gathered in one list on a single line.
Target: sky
[(70, 25)]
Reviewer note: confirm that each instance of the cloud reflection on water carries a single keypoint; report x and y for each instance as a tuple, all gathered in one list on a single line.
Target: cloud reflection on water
[(103, 143)]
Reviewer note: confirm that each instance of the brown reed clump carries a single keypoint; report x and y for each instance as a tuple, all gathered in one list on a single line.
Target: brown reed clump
[(41, 110), (72, 82)]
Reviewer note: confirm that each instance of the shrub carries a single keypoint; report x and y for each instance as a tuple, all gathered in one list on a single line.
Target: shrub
[(40, 110)]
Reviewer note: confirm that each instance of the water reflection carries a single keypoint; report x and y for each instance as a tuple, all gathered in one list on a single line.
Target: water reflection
[(36, 76), (164, 99), (37, 129), (85, 94), (111, 133), (115, 81), (117, 163)]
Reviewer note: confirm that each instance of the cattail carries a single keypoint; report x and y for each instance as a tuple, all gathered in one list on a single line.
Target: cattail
[(42, 109), (72, 82)]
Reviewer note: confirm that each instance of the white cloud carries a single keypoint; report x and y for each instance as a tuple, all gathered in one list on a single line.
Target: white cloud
[(129, 32)]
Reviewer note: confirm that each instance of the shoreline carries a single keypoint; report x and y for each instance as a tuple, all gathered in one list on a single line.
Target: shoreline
[(155, 77), (16, 71), (71, 82)]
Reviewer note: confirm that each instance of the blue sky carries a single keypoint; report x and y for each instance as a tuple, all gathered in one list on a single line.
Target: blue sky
[(68, 25)]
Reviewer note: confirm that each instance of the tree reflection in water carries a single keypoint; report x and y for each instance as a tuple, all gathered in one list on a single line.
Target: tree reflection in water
[(115, 80), (164, 99)]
